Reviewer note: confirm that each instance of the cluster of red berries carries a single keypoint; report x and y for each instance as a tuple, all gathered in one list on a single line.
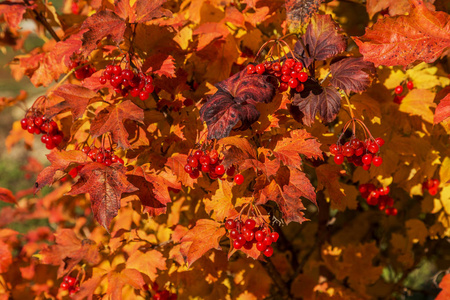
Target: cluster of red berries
[(37, 124), (358, 152), (210, 163), (399, 90), (82, 72), (162, 294), (290, 74), (101, 155), (246, 234), (378, 196), (70, 284), (127, 82), (431, 185)]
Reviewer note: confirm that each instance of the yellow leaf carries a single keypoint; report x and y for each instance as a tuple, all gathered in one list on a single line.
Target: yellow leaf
[(418, 102)]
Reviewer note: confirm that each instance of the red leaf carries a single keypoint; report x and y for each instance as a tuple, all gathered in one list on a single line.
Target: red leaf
[(443, 109), (100, 25), (5, 257), (421, 36), (351, 74), (7, 196), (323, 39), (288, 149), (160, 64), (327, 104), (445, 286), (394, 7), (13, 12), (76, 98), (148, 10), (204, 236), (176, 163), (111, 120), (69, 251), (299, 12), (235, 101), (60, 161), (105, 185)]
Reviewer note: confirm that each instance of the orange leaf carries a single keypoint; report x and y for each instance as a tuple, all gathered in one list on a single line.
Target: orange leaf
[(75, 97), (105, 185), (443, 109), (160, 64), (221, 204), (176, 164), (111, 120), (204, 236), (7, 196), (445, 286), (5, 257), (423, 35), (147, 263), (116, 282)]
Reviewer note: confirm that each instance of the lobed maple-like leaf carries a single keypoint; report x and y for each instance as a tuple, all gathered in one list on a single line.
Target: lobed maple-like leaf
[(60, 161), (418, 102), (69, 251), (141, 11), (443, 109), (111, 120), (221, 204), (13, 12), (422, 35), (326, 103), (176, 164), (322, 39), (351, 74), (105, 185), (7, 196), (288, 149), (299, 12), (76, 98), (235, 101), (204, 236), (147, 263), (117, 280), (152, 189), (100, 25)]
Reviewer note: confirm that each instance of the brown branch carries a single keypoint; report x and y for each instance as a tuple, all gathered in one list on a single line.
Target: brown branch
[(43, 21), (283, 287)]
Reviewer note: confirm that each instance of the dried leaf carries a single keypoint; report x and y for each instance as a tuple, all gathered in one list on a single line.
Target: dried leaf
[(204, 236), (235, 101), (351, 74), (323, 39), (421, 36), (105, 185), (111, 120), (7, 196), (299, 12)]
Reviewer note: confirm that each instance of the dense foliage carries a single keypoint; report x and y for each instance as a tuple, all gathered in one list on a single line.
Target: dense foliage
[(230, 150)]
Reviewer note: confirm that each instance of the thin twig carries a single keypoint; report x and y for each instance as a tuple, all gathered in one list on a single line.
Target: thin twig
[(43, 21)]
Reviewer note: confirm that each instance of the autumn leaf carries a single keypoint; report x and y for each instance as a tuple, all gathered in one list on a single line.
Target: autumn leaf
[(7, 196), (204, 236), (10, 101), (445, 286), (100, 25), (443, 109), (147, 263), (328, 178), (76, 98), (149, 10), (323, 39), (418, 102), (422, 35), (111, 120), (235, 101), (105, 185), (117, 280), (160, 64), (326, 103), (351, 74), (88, 287), (60, 161), (176, 164), (299, 12), (288, 149), (5, 257), (69, 251), (221, 204), (13, 12)]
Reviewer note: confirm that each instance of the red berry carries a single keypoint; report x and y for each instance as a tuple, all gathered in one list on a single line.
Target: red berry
[(249, 235), (260, 69), (293, 83), (241, 239), (283, 87), (230, 171), (143, 95), (251, 69), (198, 154), (100, 157), (230, 224), (24, 123), (392, 211), (193, 162), (259, 236), (234, 233), (127, 74), (348, 151), (366, 167), (377, 161), (73, 173), (219, 170), (268, 252), (367, 159), (64, 285), (188, 169), (250, 224), (276, 67), (268, 240), (239, 179), (339, 159), (379, 141), (237, 245), (71, 281), (399, 90), (410, 85), (206, 168), (261, 246), (117, 70), (194, 174), (86, 149), (274, 235), (302, 76), (335, 149), (373, 147)]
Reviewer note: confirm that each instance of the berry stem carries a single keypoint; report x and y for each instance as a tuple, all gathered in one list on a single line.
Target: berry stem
[(348, 103)]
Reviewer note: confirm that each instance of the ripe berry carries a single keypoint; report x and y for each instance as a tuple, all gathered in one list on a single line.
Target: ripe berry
[(268, 240), (64, 285), (239, 179), (237, 245), (234, 233), (143, 95), (391, 211), (373, 148), (302, 76), (276, 67), (194, 174), (219, 170), (410, 85), (230, 224), (102, 79), (188, 169), (248, 245), (335, 149), (259, 236), (251, 69), (274, 235), (398, 89), (283, 87), (198, 154), (206, 168), (260, 69), (127, 74), (339, 159), (241, 239), (268, 252), (193, 162), (71, 281), (249, 235), (230, 171), (261, 246), (293, 83), (367, 159), (377, 161), (250, 224), (348, 151), (379, 141)]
